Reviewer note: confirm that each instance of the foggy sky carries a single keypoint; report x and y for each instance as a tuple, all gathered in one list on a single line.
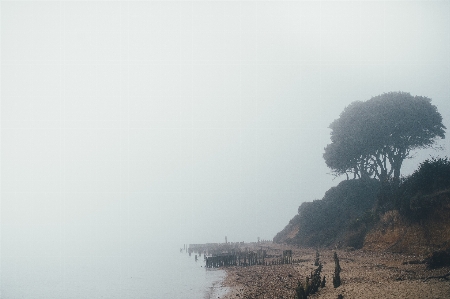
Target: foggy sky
[(123, 123)]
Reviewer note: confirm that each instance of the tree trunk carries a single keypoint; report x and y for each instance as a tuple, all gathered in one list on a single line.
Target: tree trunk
[(397, 166)]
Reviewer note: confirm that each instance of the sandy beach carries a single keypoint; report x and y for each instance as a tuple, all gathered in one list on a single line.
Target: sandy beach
[(364, 275)]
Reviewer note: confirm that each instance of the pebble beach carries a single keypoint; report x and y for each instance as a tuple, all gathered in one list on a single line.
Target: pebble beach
[(364, 275)]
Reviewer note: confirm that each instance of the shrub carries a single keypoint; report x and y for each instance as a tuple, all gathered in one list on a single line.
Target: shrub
[(322, 221), (411, 195), (432, 175)]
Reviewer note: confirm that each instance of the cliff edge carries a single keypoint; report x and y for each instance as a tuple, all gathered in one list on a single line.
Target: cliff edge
[(396, 233), (409, 216)]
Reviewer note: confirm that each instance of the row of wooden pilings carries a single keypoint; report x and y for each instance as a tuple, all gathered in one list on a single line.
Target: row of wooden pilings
[(236, 259), (247, 259)]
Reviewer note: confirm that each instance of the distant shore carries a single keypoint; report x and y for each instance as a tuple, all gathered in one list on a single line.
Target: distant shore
[(364, 275)]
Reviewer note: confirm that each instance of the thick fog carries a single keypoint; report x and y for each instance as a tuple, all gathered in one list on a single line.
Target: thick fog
[(128, 123)]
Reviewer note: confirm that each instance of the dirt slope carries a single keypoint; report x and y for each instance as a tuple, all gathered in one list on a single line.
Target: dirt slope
[(395, 233)]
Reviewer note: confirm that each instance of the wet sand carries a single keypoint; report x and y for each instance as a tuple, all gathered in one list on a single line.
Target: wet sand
[(364, 275)]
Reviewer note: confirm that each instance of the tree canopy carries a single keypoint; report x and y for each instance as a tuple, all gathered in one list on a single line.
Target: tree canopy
[(372, 138)]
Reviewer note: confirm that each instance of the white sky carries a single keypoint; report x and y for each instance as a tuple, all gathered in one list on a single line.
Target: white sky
[(128, 122)]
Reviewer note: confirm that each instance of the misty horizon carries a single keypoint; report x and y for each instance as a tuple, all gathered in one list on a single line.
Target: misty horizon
[(125, 123)]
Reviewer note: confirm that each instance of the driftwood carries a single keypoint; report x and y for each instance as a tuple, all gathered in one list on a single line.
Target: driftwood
[(445, 276), (438, 259), (414, 262)]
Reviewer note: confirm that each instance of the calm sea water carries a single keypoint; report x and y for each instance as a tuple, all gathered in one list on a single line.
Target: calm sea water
[(166, 273)]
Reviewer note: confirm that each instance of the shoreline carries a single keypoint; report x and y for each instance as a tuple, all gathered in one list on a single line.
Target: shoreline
[(365, 274), (217, 290)]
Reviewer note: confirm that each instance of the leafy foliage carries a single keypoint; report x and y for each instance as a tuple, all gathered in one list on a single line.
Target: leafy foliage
[(321, 222), (432, 175), (412, 196), (372, 138)]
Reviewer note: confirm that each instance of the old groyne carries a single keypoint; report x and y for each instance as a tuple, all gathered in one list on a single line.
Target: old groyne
[(216, 255)]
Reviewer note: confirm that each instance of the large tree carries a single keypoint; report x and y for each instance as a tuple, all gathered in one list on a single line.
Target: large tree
[(372, 138)]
